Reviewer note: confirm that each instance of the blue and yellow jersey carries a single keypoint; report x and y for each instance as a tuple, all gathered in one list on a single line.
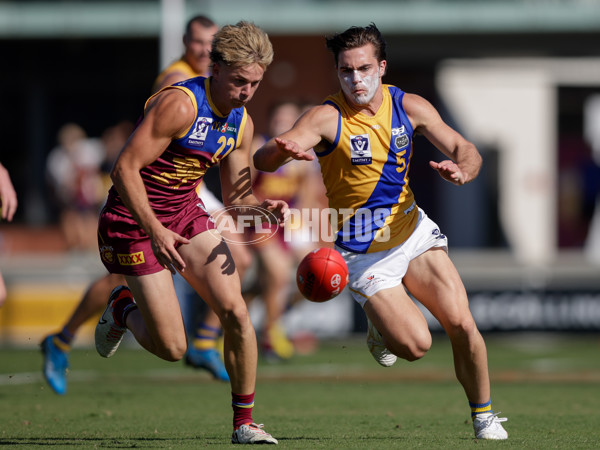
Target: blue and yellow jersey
[(365, 171), (172, 180)]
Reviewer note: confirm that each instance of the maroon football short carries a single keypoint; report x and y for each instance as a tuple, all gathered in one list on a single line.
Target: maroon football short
[(126, 249)]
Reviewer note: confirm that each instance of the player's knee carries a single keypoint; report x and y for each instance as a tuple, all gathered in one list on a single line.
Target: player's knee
[(462, 327), (418, 350), (235, 317), (414, 349), (174, 354), (173, 350)]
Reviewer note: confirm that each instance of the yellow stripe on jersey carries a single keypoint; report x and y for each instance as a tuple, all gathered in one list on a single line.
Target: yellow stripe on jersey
[(242, 128), (210, 101), (192, 97)]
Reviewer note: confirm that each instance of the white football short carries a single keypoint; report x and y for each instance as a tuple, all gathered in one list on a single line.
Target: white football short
[(371, 272)]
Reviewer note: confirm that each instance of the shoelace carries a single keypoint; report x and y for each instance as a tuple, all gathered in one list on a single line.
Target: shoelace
[(494, 419), (258, 427)]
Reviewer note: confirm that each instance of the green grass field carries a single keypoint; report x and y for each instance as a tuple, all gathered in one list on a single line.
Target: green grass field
[(337, 398)]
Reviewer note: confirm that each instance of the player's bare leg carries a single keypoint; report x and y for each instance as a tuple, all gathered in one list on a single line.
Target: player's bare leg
[(400, 322), (205, 349), (211, 272), (157, 324), (434, 281), (239, 251)]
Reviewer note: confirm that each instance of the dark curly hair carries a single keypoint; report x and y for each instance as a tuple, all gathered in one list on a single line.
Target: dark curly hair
[(355, 37)]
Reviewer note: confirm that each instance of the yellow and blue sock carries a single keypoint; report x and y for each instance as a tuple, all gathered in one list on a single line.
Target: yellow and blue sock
[(63, 340), (480, 408), (206, 337)]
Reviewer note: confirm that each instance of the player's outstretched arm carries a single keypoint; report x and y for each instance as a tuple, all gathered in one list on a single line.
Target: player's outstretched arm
[(315, 125), (277, 152), (465, 161)]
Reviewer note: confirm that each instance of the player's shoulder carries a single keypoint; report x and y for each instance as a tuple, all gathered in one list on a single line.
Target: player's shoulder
[(172, 109), (415, 100), (321, 119), (420, 111), (171, 98), (416, 105), (321, 113)]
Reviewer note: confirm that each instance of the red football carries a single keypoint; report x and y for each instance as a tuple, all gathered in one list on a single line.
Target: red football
[(322, 275)]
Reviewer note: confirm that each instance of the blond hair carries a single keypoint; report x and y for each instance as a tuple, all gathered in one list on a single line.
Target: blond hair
[(241, 45)]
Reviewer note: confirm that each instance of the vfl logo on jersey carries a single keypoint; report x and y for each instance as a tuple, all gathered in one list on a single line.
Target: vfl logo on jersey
[(400, 138), (360, 149), (131, 259), (199, 131)]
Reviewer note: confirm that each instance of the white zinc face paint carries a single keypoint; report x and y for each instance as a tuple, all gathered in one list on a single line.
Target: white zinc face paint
[(350, 81)]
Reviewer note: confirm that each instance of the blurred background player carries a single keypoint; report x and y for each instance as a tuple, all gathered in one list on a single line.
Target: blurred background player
[(8, 206), (297, 184), (202, 353), (75, 181), (195, 61)]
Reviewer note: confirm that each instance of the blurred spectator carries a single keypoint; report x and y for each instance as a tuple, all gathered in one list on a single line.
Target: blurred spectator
[(8, 206), (73, 170), (113, 140)]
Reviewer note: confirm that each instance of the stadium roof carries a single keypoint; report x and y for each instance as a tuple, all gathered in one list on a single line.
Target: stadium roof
[(142, 18)]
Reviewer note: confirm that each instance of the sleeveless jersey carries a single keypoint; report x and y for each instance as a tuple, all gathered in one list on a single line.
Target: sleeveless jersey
[(172, 179), (365, 171), (176, 66)]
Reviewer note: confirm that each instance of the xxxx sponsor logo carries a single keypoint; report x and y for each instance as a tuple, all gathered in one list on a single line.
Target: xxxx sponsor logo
[(131, 259)]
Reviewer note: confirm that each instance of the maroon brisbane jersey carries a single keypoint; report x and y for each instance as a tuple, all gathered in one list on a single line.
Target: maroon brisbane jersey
[(171, 182)]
